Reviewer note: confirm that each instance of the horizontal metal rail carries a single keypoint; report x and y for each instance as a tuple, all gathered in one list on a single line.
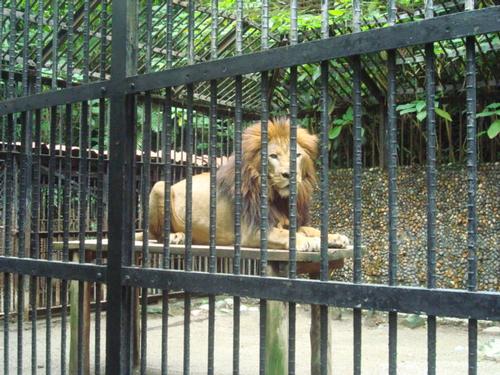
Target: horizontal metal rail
[(68, 95), (438, 302), (446, 27), (54, 269)]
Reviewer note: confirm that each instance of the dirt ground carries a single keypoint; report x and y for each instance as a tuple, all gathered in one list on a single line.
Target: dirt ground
[(412, 349)]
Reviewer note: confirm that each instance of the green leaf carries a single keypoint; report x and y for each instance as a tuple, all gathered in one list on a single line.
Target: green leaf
[(494, 129), (331, 106), (408, 110), (419, 105), (488, 113), (334, 132), (405, 106), (348, 115), (336, 12), (442, 113), (493, 106), (421, 115)]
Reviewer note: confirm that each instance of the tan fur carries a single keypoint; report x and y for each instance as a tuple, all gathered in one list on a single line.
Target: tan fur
[(278, 180)]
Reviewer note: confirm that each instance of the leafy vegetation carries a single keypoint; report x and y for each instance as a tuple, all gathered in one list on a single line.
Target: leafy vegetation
[(491, 111), (449, 108)]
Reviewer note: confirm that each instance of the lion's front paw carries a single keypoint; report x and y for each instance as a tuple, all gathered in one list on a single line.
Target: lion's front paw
[(338, 241), (308, 243), (177, 238)]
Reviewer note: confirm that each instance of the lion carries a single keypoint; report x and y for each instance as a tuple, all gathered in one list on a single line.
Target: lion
[(307, 238)]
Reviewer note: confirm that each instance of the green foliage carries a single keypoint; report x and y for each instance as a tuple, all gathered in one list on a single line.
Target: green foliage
[(491, 110), (419, 108), (346, 120), (494, 129), (338, 124)]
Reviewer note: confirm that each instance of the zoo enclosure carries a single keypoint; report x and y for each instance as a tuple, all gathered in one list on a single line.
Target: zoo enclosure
[(123, 92)]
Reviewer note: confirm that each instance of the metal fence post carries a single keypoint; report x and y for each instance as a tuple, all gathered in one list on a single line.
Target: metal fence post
[(121, 187)]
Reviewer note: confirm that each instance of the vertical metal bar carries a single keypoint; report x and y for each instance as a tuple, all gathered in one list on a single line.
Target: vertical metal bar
[(324, 183), (35, 192), (145, 185), (9, 190), (431, 189), (100, 181), (357, 160), (51, 182), (26, 123), (121, 189), (471, 186), (189, 191), (188, 226), (167, 173), (67, 179), (264, 222), (24, 183), (293, 191), (392, 169), (212, 266), (238, 120), (83, 182), (325, 125)]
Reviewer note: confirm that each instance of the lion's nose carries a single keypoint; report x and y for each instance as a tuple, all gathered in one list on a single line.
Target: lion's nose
[(286, 175)]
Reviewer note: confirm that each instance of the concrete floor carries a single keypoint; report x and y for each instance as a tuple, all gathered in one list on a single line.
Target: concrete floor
[(412, 349)]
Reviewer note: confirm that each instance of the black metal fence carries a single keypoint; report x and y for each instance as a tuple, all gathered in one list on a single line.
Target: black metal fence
[(110, 119)]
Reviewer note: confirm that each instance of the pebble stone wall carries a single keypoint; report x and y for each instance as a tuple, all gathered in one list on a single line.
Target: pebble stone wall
[(451, 229)]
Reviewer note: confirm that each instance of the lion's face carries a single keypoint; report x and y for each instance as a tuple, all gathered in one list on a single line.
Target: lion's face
[(278, 176), (279, 167)]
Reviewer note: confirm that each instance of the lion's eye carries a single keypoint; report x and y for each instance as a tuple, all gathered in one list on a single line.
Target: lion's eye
[(299, 155), (273, 156)]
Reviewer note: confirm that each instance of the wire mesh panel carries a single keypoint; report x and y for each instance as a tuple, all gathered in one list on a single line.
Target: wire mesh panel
[(154, 154)]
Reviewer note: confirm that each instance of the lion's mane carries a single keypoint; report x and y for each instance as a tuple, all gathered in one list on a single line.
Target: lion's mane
[(278, 131)]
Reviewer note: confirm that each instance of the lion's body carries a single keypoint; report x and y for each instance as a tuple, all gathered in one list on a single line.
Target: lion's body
[(200, 211), (278, 181)]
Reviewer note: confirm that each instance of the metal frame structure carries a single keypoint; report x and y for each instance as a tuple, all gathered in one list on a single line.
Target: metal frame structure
[(123, 276)]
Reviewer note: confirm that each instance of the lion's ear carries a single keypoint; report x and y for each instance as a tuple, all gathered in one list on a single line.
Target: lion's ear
[(308, 141)]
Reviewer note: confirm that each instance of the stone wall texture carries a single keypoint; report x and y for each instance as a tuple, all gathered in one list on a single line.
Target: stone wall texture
[(451, 228)]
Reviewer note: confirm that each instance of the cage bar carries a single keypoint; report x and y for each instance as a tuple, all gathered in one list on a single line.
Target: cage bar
[(189, 190), (471, 186), (212, 265), (167, 174), (121, 174), (238, 121), (25, 162), (36, 192), (324, 188), (431, 188), (292, 198), (357, 160), (103, 17), (9, 192), (145, 187), (393, 208)]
